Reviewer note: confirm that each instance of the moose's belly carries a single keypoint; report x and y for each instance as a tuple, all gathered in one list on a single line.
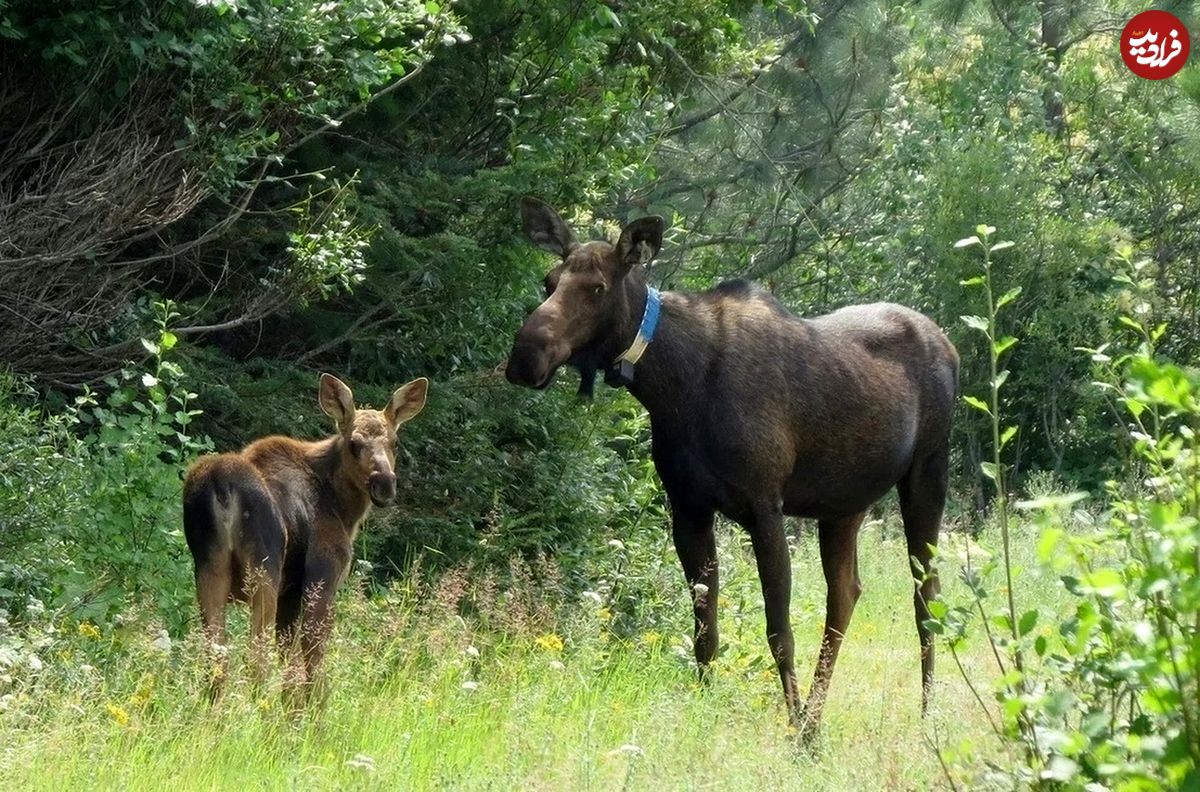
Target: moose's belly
[(834, 474), (821, 497), (827, 483)]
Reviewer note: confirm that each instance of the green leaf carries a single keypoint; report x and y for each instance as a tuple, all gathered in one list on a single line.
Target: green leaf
[(1001, 346), (1008, 297), (1130, 323), (605, 13), (984, 230), (1005, 245), (967, 242), (978, 280), (988, 469), (1027, 622), (1001, 378), (150, 346), (975, 322), (1104, 582), (977, 403), (1008, 435), (1048, 543), (168, 340)]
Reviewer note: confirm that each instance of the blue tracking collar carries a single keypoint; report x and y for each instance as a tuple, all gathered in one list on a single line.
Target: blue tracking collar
[(650, 317), (621, 372)]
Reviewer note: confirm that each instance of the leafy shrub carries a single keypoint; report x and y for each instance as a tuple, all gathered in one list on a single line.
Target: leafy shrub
[(1106, 693), (92, 498)]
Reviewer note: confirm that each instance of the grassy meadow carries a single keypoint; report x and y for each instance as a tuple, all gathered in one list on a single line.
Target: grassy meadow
[(469, 685)]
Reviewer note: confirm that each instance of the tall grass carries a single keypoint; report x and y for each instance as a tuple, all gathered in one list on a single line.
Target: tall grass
[(548, 697)]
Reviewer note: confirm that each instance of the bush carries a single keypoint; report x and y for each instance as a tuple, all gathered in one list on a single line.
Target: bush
[(92, 496), (1106, 693)]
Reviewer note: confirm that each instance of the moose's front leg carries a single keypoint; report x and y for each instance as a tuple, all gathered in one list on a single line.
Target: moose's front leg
[(775, 574), (322, 573), (696, 545)]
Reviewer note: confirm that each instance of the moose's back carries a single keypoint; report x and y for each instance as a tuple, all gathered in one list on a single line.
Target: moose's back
[(834, 408)]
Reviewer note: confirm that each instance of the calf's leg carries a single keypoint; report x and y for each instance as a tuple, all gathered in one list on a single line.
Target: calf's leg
[(263, 590), (214, 580), (322, 572)]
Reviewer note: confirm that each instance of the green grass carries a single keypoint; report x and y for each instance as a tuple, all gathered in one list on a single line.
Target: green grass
[(605, 712)]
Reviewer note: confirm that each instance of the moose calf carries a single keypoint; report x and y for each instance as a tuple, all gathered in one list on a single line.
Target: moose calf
[(274, 524)]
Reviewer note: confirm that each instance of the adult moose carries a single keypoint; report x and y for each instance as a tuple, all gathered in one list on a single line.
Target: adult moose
[(757, 413), (275, 523)]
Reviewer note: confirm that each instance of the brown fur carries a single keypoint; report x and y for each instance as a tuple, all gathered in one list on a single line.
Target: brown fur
[(274, 524), (757, 414)]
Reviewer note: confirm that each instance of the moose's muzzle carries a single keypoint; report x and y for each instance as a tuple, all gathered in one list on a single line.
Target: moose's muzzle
[(536, 355), (381, 486)]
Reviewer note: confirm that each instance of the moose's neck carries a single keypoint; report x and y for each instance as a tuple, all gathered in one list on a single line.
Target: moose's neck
[(666, 376), (348, 499)]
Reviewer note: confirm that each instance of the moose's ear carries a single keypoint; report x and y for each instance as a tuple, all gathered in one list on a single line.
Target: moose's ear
[(644, 234), (407, 401), (545, 228), (337, 401)]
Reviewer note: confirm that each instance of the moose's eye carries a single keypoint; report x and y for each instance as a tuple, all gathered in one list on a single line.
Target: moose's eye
[(356, 446), (599, 289), (548, 286)]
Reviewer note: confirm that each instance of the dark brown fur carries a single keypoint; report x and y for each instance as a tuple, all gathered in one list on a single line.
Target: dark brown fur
[(757, 414), (274, 524)]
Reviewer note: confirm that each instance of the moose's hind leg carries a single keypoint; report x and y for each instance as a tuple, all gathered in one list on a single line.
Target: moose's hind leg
[(214, 581), (838, 540), (922, 500), (775, 574)]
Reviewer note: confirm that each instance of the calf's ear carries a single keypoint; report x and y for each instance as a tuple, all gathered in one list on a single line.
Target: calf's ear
[(545, 228), (337, 401), (640, 241), (407, 401)]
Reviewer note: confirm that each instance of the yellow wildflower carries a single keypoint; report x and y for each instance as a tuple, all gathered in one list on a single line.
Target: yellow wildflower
[(604, 614), (118, 714), (145, 690), (89, 630), (550, 642), (651, 638)]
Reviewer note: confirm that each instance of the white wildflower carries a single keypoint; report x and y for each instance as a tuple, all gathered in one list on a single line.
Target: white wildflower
[(629, 749), (163, 642)]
